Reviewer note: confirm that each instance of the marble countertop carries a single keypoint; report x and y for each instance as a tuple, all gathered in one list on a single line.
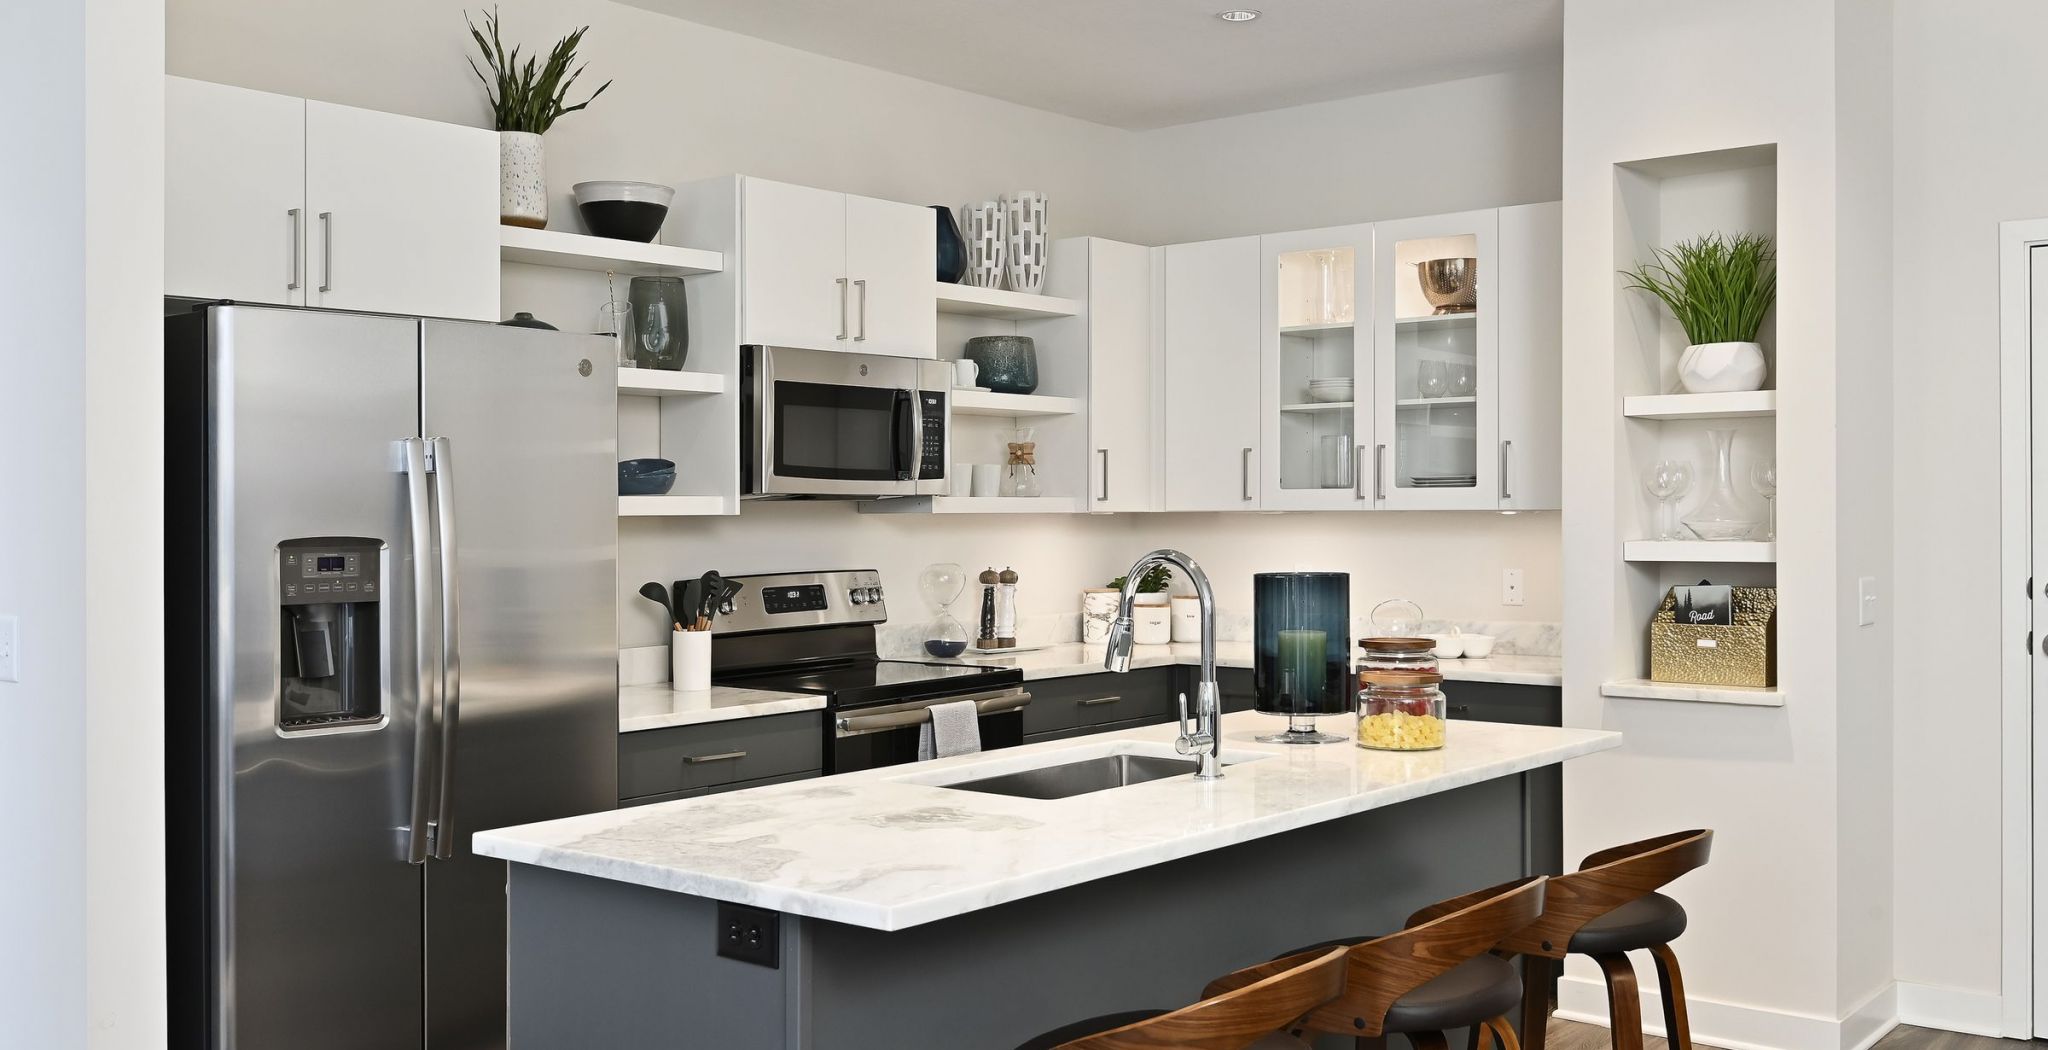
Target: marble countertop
[(892, 847), (657, 706), (1075, 658)]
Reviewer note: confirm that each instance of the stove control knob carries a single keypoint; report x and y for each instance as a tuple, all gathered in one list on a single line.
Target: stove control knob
[(858, 596), (874, 596), (726, 608)]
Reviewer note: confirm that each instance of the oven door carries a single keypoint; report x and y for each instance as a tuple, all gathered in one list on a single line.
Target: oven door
[(886, 735), (854, 426)]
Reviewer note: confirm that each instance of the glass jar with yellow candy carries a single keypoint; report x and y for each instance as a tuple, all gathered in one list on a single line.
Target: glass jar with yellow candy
[(1400, 710)]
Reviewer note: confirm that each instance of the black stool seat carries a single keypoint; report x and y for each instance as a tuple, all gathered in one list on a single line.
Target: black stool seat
[(1096, 1025), (1478, 989), (1648, 920)]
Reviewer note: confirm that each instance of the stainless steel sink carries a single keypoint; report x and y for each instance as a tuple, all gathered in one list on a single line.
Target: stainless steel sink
[(1079, 778)]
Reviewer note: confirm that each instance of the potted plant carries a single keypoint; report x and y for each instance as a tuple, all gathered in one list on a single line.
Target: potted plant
[(1151, 586), (526, 99), (1719, 288)]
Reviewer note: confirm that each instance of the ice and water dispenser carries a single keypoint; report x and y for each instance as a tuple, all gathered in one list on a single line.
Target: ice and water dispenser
[(329, 596)]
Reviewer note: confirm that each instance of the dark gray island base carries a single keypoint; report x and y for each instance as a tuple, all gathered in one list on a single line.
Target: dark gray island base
[(596, 963)]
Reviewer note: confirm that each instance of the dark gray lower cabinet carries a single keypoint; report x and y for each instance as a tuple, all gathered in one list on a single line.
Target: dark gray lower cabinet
[(1097, 703), (656, 765)]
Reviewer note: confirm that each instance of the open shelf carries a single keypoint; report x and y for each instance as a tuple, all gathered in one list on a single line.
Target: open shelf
[(1430, 402), (577, 251), (1321, 406), (1748, 404), (971, 505), (990, 403), (656, 382), (670, 506), (997, 302), (1755, 551), (1644, 689), (1436, 320), (1317, 326)]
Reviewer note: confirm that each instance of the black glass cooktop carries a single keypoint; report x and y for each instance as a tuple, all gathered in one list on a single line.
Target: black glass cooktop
[(863, 682)]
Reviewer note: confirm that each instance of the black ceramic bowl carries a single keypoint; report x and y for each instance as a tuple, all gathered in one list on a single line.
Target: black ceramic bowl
[(626, 211), (646, 477)]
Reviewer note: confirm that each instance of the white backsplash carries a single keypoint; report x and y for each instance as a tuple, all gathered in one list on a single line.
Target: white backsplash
[(905, 641)]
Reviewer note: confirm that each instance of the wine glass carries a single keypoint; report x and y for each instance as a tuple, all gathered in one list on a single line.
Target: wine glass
[(1763, 476), (1429, 379), (1463, 382), (1668, 480)]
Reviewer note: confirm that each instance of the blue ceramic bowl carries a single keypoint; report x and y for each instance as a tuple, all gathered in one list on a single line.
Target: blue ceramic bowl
[(646, 477)]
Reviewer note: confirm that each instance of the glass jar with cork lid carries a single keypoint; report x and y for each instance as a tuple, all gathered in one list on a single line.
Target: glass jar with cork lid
[(1400, 710), (1396, 654)]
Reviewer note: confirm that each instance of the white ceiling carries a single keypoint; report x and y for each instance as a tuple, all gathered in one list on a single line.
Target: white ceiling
[(1151, 63)]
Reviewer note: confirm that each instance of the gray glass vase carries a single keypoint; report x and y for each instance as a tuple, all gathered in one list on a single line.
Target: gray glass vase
[(1008, 363)]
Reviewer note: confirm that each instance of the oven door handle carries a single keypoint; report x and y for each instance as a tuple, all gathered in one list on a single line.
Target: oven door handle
[(906, 417), (984, 704)]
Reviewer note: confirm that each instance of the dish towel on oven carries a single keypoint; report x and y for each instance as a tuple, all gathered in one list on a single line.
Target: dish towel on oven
[(952, 729)]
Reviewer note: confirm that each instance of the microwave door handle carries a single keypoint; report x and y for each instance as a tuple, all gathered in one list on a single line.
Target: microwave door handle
[(451, 663), (906, 418), (425, 680)]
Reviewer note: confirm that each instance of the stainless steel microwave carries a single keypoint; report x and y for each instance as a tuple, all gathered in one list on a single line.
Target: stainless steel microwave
[(819, 424)]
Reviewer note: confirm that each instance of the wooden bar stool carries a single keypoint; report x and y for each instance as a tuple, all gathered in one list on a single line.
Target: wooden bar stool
[(1434, 976), (1252, 1015), (1606, 909)]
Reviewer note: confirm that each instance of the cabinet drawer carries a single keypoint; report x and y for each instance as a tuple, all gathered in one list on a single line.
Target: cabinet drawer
[(1106, 727), (1080, 701), (659, 761), (1524, 705), (719, 789)]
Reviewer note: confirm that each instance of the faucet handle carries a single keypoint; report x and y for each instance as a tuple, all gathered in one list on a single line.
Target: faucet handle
[(1192, 739)]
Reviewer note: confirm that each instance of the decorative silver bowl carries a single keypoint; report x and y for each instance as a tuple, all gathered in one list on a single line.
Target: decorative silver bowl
[(1450, 285)]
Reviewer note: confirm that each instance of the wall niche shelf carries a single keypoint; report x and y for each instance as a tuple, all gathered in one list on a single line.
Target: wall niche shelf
[(990, 403), (577, 251), (971, 301), (1752, 404), (971, 505), (1703, 551), (1644, 689), (656, 382), (670, 506)]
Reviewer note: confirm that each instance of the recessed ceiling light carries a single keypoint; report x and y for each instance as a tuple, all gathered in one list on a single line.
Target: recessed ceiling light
[(1238, 14)]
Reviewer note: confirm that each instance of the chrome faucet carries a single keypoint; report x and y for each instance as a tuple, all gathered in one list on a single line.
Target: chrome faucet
[(1206, 738)]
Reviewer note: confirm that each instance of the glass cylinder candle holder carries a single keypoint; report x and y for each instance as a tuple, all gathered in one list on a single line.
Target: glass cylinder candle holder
[(1301, 626)]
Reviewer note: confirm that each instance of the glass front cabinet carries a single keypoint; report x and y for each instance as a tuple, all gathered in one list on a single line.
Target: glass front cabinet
[(1316, 368)]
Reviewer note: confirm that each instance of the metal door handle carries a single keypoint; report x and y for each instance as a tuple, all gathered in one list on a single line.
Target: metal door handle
[(326, 251), (1104, 453), (292, 218), (691, 760), (1505, 446), (425, 681), (451, 650), (1097, 701), (1358, 472), (851, 725), (1379, 480), (842, 309), (861, 333), (1244, 469)]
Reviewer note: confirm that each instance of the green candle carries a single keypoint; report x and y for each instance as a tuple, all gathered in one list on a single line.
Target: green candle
[(1302, 666)]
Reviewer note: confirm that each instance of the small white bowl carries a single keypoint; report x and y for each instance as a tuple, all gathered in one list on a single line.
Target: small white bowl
[(1477, 646), (1448, 646)]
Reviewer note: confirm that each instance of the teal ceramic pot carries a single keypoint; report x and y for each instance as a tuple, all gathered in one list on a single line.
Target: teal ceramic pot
[(1008, 363)]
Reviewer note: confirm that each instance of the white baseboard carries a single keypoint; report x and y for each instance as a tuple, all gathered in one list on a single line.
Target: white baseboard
[(1739, 1027), (1951, 1009)]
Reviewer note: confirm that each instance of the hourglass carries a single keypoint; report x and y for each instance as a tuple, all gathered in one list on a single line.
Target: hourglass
[(941, 585)]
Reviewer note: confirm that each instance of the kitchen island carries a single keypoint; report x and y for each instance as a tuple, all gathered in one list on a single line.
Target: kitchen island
[(899, 911)]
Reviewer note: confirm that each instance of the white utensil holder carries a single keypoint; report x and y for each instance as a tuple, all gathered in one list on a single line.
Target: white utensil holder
[(689, 661)]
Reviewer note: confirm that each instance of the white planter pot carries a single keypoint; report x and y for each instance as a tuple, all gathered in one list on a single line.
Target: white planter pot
[(522, 180), (1024, 215), (1151, 624), (1098, 611), (1151, 598), (988, 234), (1719, 368)]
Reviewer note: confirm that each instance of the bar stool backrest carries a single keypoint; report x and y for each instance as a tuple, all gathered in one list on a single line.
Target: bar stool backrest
[(1605, 881), (1236, 1018)]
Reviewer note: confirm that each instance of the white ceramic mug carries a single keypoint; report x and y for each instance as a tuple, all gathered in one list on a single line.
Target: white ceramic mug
[(689, 661), (965, 373), (988, 479)]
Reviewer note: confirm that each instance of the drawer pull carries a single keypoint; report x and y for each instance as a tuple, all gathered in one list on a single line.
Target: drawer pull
[(727, 756), (1097, 701), (1461, 709)]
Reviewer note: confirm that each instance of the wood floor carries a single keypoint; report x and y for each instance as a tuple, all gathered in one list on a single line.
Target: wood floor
[(1570, 1035)]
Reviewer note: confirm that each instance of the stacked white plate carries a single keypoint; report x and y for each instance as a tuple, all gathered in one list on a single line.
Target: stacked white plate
[(1442, 481), (1330, 390)]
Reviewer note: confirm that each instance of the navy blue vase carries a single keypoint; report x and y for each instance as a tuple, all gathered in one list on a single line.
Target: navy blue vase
[(952, 250), (1301, 642)]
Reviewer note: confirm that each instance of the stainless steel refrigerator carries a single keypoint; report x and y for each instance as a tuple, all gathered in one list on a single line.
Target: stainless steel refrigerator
[(390, 621)]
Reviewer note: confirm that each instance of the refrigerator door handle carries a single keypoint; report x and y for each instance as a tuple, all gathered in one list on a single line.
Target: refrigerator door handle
[(443, 836), (425, 682)]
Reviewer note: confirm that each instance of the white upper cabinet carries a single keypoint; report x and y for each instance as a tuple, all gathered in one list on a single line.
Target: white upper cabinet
[(830, 271), (275, 199), (1211, 352), (1316, 368), (1531, 460), (1122, 438), (234, 193), (1437, 380)]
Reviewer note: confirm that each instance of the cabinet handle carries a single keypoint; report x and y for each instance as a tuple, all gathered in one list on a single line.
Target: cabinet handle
[(1505, 447), (1461, 709), (1104, 453), (842, 309), (326, 251), (292, 219), (691, 760), (1244, 471), (1379, 479), (1358, 472), (862, 331), (1097, 701)]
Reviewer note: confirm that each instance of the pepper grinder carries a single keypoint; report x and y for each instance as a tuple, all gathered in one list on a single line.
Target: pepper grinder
[(985, 638), (1006, 608)]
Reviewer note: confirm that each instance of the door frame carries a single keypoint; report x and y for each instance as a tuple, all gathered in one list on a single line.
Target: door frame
[(2017, 241)]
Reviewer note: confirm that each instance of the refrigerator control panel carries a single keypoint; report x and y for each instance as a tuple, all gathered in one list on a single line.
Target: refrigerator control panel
[(328, 635), (309, 575)]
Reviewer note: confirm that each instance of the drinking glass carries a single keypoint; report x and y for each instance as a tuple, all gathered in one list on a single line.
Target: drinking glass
[(1463, 380), (1763, 475), (1668, 480), (1335, 458), (1430, 380)]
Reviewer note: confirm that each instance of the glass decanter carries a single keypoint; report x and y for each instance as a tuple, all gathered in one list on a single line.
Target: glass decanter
[(1721, 516), (940, 586), (1020, 476)]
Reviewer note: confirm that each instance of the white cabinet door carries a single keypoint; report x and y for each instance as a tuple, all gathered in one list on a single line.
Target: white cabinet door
[(892, 262), (1316, 368), (234, 193), (1531, 460), (1121, 435), (403, 214), (1211, 351), (794, 290)]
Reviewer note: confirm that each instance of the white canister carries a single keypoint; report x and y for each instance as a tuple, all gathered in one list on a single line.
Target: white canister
[(1098, 611), (689, 661), (1151, 624), (1187, 618), (988, 479)]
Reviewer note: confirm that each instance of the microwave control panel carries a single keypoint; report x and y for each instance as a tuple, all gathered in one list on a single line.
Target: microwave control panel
[(931, 462)]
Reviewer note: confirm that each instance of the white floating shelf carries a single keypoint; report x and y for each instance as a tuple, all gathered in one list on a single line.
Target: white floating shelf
[(997, 302), (657, 382), (1748, 404), (1644, 689), (670, 506), (1317, 326), (1701, 551), (577, 251), (1321, 406), (1433, 320), (971, 505), (990, 403), (1432, 402)]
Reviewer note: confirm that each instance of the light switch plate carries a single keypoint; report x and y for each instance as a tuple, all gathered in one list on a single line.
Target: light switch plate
[(1866, 600), (1511, 587), (10, 647)]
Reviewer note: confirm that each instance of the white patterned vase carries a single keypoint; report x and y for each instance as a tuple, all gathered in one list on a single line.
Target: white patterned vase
[(1024, 265), (1098, 611), (522, 180), (987, 229)]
